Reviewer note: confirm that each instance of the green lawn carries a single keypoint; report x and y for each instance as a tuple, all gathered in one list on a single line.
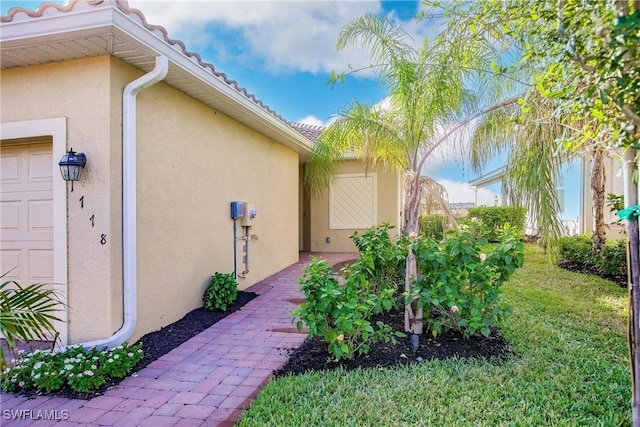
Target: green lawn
[(570, 368)]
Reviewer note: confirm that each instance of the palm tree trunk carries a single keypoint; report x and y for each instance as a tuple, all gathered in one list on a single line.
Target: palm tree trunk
[(598, 196), (412, 310)]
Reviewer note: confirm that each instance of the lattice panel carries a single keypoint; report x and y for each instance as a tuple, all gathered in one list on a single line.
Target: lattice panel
[(353, 202)]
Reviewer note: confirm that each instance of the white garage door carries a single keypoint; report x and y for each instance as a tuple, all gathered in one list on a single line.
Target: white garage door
[(26, 213)]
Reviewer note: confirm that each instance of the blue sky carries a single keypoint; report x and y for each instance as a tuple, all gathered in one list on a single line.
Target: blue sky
[(284, 51)]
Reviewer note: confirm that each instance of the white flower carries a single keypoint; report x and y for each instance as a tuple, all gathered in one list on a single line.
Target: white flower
[(95, 358), (36, 376), (68, 367), (116, 356), (483, 257), (21, 384), (110, 360), (88, 373), (94, 367), (71, 374), (454, 309), (130, 354)]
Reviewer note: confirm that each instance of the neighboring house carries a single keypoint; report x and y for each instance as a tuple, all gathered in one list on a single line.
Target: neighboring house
[(574, 195), (170, 143)]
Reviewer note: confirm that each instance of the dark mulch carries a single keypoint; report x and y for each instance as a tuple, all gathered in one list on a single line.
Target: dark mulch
[(579, 267), (313, 354), (158, 343)]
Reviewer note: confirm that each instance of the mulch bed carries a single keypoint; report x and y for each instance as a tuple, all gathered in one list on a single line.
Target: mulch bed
[(158, 343), (578, 267), (314, 356)]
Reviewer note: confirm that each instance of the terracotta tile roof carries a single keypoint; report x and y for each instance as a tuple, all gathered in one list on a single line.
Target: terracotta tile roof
[(48, 8), (312, 132)]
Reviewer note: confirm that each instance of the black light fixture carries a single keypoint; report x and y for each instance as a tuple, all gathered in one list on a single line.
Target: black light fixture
[(71, 166)]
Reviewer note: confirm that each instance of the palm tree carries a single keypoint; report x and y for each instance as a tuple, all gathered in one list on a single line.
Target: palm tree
[(26, 314), (428, 94)]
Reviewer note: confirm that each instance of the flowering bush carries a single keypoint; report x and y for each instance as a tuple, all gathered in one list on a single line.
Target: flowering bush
[(80, 369), (382, 258), (459, 286), (341, 313)]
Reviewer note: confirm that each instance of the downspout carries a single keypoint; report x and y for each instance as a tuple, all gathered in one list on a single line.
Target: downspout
[(129, 242)]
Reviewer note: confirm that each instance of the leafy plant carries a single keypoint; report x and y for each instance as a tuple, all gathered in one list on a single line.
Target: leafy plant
[(459, 286), (382, 258), (221, 292), (494, 218), (27, 314), (433, 226), (341, 313), (76, 367), (611, 262)]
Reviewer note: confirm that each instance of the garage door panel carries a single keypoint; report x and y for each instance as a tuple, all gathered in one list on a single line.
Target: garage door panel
[(40, 168), (40, 215), (40, 266), (10, 264), (10, 212), (9, 172)]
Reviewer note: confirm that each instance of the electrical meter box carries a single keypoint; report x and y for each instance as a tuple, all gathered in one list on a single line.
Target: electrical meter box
[(250, 214), (237, 210)]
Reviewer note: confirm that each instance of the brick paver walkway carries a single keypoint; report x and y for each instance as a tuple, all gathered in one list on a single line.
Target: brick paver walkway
[(207, 381)]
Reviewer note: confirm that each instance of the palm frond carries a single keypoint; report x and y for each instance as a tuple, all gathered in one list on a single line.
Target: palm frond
[(27, 313), (435, 199)]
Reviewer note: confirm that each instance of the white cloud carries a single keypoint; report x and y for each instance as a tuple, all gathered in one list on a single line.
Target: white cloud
[(282, 35), (461, 192), (314, 121), (311, 120)]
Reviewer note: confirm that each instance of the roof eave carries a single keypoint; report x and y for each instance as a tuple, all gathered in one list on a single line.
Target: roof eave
[(100, 20)]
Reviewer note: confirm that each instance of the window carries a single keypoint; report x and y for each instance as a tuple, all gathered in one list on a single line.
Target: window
[(353, 201)]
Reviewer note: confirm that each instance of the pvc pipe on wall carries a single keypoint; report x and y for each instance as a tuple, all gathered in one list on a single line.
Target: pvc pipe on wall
[(129, 242)]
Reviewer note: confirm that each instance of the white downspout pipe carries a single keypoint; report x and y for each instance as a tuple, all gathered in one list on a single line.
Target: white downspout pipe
[(129, 242)]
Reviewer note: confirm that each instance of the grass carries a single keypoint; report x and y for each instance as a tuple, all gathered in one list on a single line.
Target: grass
[(570, 368)]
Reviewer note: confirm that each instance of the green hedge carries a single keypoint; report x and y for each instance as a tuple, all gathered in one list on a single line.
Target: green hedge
[(611, 263), (433, 226), (488, 220)]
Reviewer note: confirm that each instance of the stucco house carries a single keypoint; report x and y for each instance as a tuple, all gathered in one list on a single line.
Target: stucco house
[(170, 143)]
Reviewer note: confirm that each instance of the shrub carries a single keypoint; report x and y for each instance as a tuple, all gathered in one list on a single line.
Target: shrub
[(610, 263), (76, 367), (341, 313), (382, 259), (433, 226), (488, 220), (459, 287), (221, 292)]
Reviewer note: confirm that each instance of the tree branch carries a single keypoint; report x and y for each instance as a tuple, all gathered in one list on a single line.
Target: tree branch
[(631, 114), (465, 122)]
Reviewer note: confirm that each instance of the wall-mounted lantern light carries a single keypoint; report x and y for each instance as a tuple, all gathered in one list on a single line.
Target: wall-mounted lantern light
[(71, 166)]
